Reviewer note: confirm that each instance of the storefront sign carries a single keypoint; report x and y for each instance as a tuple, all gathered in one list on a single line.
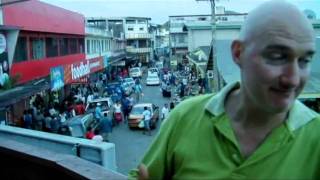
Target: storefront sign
[(80, 70), (96, 64), (76, 73), (57, 78)]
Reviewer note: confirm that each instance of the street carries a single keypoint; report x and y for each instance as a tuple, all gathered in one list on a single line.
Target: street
[(132, 144)]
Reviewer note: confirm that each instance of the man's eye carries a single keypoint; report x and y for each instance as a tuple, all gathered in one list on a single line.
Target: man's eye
[(277, 56), (303, 62)]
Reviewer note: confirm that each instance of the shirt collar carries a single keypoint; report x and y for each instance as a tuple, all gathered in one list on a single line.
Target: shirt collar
[(299, 114), (216, 104)]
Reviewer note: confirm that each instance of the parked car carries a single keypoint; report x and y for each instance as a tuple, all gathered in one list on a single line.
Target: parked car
[(77, 126), (106, 104), (135, 72), (152, 79), (136, 116)]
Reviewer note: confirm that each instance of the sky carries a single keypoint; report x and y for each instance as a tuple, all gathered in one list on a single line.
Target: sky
[(159, 10)]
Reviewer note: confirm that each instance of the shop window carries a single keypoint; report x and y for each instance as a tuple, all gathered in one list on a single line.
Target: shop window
[(20, 53), (81, 45), (64, 44), (73, 46), (51, 47), (37, 48)]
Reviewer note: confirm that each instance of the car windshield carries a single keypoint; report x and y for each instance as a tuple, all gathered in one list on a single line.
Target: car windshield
[(138, 110)]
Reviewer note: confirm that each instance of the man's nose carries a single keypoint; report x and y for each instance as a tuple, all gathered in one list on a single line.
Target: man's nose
[(291, 75)]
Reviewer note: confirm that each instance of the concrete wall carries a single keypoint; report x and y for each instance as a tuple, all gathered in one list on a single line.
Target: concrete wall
[(99, 153), (198, 38)]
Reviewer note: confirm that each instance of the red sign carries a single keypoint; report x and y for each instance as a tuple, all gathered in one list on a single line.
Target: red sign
[(79, 72), (96, 64)]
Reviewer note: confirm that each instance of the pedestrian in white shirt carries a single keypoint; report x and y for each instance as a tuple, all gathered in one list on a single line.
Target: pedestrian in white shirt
[(164, 112), (147, 120)]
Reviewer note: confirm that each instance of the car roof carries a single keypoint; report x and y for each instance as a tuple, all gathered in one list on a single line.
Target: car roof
[(100, 99), (143, 104)]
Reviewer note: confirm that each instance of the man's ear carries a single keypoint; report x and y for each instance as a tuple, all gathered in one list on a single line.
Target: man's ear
[(236, 51)]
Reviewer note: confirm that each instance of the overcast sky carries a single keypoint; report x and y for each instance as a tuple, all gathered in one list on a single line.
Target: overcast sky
[(159, 10)]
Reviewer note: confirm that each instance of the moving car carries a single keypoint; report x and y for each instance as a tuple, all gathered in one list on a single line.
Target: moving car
[(135, 72), (136, 116), (152, 79)]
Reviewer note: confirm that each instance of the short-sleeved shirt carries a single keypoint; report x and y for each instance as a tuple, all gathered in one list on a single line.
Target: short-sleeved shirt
[(198, 142), (146, 114)]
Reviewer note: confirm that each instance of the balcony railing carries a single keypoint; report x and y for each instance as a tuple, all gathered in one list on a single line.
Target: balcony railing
[(131, 49), (138, 36), (98, 32)]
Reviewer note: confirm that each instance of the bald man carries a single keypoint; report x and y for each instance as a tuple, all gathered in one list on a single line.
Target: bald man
[(255, 128)]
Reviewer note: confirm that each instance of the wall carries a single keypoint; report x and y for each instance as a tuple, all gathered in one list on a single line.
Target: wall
[(198, 38), (99, 153)]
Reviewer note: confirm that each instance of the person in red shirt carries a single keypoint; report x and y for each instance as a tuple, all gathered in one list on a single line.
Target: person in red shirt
[(79, 108), (90, 133)]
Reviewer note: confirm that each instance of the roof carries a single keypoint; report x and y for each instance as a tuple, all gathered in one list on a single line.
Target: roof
[(12, 96), (198, 25), (34, 15), (230, 72)]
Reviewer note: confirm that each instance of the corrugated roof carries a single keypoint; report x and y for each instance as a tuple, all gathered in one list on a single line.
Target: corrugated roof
[(230, 72)]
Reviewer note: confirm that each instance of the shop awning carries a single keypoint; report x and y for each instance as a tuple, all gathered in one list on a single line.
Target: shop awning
[(12, 96)]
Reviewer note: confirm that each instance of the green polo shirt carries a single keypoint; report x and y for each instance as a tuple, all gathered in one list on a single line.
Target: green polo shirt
[(197, 142)]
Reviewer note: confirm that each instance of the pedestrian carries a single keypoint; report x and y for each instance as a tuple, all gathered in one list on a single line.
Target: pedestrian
[(106, 127), (90, 133), (171, 106), (138, 91), (164, 112), (252, 129), (98, 112), (27, 118), (147, 120), (117, 112), (97, 137)]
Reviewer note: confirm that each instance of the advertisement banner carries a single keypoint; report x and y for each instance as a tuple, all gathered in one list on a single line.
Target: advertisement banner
[(57, 78), (96, 64), (76, 73)]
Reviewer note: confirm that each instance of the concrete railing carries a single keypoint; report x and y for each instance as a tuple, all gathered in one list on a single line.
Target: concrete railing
[(138, 50), (21, 161), (138, 36), (101, 153)]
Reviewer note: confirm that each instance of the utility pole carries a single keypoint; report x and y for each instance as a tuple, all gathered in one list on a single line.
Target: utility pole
[(216, 78)]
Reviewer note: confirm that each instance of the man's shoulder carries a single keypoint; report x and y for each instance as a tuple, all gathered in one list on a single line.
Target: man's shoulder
[(194, 105)]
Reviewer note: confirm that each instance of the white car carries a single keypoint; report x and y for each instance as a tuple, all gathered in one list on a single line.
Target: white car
[(153, 71), (153, 79), (135, 72)]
